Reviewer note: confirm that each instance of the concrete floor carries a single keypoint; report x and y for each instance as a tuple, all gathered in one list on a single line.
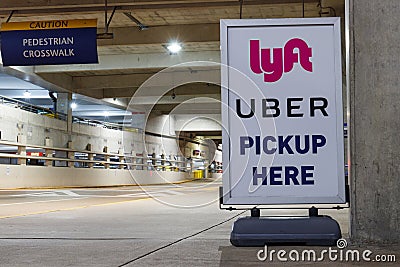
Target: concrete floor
[(176, 225)]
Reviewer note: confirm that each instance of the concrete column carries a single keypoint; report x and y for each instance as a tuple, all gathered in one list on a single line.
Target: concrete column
[(374, 120), (64, 101)]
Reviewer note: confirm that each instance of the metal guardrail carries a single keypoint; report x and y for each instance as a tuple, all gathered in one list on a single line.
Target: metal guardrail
[(31, 108), (89, 159), (94, 123)]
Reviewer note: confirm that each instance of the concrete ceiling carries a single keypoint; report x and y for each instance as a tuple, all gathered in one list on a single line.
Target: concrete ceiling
[(134, 55), (87, 108)]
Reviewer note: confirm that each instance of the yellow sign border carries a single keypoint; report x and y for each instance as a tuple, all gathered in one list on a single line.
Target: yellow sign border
[(49, 25)]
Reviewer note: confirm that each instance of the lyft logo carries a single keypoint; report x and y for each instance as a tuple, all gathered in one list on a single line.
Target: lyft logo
[(281, 61)]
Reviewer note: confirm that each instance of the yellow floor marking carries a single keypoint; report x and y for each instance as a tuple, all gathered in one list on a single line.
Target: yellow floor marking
[(42, 201), (80, 187)]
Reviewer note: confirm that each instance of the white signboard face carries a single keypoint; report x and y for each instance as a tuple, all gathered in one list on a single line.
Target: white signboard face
[(282, 111)]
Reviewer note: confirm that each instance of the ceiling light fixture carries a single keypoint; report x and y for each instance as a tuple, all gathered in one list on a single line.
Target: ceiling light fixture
[(27, 94), (174, 48), (74, 105)]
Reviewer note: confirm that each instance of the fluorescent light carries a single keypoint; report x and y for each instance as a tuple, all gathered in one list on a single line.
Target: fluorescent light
[(174, 48), (74, 105), (27, 94)]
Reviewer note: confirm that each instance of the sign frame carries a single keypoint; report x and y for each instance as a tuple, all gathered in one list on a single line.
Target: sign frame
[(49, 42), (225, 26)]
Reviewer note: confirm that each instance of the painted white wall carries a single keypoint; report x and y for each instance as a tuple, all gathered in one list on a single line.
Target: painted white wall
[(203, 122), (22, 176), (36, 128), (164, 124)]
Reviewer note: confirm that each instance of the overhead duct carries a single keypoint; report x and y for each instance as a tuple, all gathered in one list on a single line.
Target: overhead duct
[(138, 23)]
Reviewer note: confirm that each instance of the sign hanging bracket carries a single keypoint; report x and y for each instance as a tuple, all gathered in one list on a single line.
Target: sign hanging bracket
[(107, 21), (10, 16)]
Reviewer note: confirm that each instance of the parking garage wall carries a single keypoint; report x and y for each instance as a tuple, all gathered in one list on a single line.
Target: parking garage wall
[(38, 130), (35, 129), (45, 131)]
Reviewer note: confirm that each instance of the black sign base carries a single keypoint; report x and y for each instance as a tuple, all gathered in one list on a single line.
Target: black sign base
[(259, 231)]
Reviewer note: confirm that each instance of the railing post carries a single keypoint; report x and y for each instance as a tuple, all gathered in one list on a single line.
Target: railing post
[(21, 139), (49, 152), (182, 163), (172, 161), (90, 155), (21, 152), (163, 162), (153, 161), (133, 161), (106, 158), (121, 159), (70, 155), (143, 161), (191, 166)]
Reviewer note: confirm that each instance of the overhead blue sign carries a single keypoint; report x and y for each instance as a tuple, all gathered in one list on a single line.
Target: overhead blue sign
[(49, 42)]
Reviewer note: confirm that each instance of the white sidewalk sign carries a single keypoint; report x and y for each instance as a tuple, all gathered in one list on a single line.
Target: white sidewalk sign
[(282, 111)]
